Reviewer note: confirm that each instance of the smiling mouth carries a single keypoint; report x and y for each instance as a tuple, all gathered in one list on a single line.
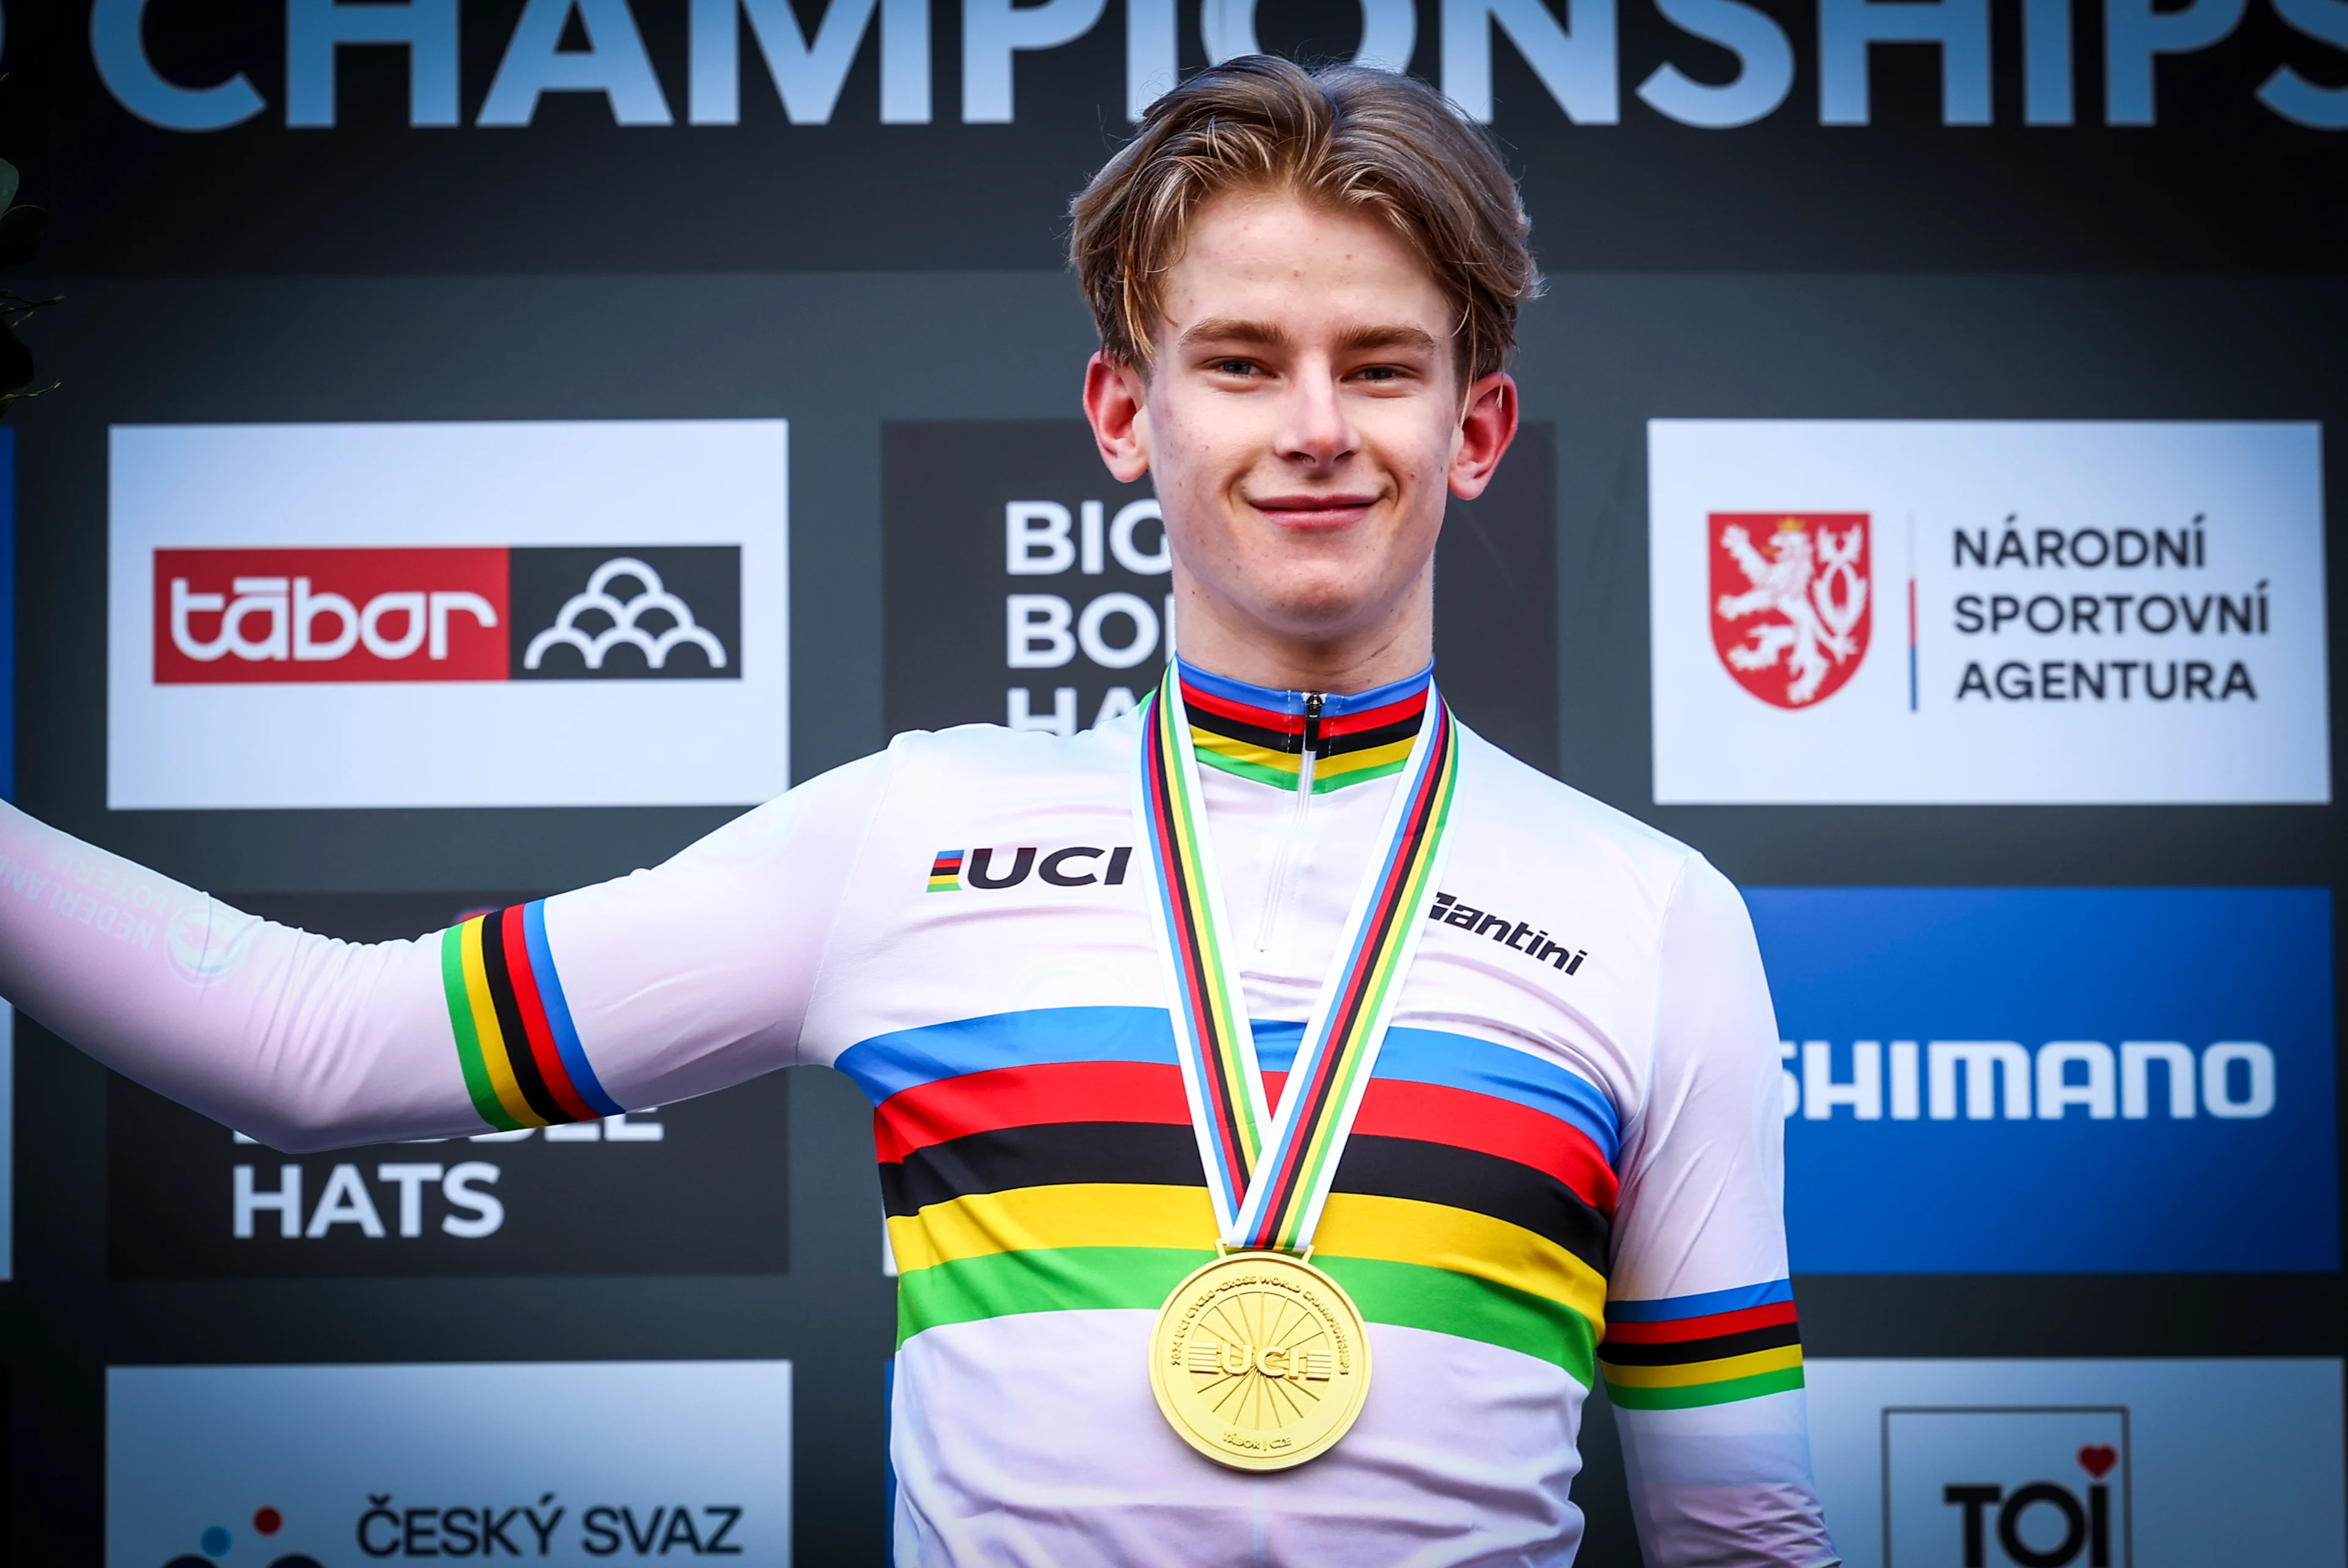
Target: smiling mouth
[(1313, 512)]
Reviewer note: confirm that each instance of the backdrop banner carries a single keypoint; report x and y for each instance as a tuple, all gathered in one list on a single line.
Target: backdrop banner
[(1955, 612), (591, 613), (2055, 1080), (2079, 1464), (259, 136), (565, 1462)]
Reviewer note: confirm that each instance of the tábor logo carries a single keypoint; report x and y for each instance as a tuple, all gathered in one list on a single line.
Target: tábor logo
[(462, 613), (1790, 601), (2006, 1488)]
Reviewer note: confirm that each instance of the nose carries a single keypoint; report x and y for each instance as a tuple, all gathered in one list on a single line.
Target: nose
[(1314, 427)]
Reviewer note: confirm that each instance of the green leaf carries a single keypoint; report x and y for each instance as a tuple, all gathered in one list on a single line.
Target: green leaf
[(8, 180), (16, 362), (20, 234)]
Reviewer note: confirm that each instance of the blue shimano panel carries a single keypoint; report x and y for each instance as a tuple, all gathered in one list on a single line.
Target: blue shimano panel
[(2055, 1080)]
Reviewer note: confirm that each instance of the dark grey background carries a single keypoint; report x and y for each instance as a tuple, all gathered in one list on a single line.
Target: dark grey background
[(708, 1196), (944, 486), (838, 355)]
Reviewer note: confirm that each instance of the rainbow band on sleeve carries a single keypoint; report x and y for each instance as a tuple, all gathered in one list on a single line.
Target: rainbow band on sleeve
[(516, 1044), (1712, 1348)]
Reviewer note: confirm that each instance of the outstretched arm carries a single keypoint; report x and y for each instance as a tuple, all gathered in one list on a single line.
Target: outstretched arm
[(1703, 1356), (644, 990)]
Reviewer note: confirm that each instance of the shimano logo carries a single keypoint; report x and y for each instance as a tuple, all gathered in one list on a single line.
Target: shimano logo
[(1988, 1080), (595, 612)]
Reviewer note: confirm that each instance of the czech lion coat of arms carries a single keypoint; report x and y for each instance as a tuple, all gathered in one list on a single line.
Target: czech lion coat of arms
[(1791, 610)]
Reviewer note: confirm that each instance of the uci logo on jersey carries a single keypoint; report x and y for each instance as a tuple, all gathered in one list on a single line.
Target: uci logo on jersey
[(951, 870)]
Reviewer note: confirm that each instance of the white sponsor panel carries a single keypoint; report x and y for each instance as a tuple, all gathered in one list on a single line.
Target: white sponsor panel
[(485, 614), (1972, 612), (561, 1462), (2080, 1464)]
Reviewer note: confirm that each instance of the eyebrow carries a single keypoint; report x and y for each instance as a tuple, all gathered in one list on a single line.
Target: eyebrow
[(1267, 334), (1229, 329), (1403, 337)]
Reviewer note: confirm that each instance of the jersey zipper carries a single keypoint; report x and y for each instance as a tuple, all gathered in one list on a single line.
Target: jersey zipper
[(1275, 893)]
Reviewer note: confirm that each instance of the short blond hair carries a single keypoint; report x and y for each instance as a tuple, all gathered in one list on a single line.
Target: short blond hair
[(1344, 136)]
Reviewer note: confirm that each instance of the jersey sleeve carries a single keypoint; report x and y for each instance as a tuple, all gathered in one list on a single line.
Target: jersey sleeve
[(1703, 1357), (645, 990)]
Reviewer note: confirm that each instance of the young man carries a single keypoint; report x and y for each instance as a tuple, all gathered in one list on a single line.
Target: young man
[(1178, 1288)]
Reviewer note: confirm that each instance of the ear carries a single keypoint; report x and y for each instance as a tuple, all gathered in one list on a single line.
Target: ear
[(1116, 404), (1486, 429)]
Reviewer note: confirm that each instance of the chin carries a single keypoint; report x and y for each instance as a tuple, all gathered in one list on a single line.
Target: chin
[(1319, 611)]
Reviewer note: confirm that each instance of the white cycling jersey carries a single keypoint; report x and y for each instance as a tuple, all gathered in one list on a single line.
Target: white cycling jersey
[(1566, 1166)]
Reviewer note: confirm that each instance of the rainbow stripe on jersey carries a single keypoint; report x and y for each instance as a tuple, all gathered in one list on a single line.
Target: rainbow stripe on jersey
[(1712, 1348), (1350, 739), (1044, 1161), (522, 1061)]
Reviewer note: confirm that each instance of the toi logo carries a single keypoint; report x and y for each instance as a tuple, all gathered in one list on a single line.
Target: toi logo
[(2006, 1487)]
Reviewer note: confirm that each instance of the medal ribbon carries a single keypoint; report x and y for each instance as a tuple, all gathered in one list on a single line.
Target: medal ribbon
[(1269, 1175)]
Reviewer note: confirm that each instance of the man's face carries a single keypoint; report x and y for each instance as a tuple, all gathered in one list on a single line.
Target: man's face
[(1303, 421)]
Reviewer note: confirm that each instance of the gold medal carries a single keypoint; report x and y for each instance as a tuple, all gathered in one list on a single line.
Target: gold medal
[(1259, 1360)]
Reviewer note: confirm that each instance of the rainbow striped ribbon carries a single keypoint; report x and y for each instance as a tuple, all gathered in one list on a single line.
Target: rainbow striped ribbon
[(1269, 1176)]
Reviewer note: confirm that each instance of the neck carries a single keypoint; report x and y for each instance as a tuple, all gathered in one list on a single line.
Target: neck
[(1214, 636)]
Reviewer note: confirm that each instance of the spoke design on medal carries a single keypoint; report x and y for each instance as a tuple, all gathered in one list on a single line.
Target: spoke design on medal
[(1230, 1334), (1276, 1388), (1251, 1309), (1297, 1384), (1278, 1335), (1216, 1380), (1254, 1323), (1292, 1386), (1228, 1384)]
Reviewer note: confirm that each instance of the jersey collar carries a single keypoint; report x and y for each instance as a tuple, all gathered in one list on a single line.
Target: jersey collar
[(1266, 735)]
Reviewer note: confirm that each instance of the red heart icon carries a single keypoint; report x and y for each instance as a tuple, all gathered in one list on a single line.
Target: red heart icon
[(2096, 1459)]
